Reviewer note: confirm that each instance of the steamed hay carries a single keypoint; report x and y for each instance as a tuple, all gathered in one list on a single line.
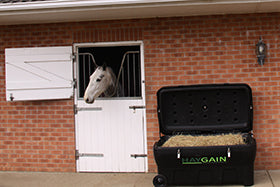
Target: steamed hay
[(211, 140)]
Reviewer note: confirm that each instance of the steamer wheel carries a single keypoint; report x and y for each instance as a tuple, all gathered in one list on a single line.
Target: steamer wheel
[(160, 181)]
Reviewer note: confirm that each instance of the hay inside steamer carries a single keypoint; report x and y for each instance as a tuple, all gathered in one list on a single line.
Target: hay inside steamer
[(211, 140)]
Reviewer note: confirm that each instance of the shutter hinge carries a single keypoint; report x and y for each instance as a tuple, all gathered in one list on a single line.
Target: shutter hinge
[(11, 97), (73, 56), (74, 83), (75, 109)]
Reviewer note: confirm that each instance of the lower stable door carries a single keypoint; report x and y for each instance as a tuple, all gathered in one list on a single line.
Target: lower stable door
[(111, 138)]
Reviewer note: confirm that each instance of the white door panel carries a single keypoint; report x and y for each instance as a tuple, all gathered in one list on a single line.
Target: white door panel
[(112, 133)]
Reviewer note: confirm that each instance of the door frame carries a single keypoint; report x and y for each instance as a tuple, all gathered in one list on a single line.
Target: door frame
[(75, 73)]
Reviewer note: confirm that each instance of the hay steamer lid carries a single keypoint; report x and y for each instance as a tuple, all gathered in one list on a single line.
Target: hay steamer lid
[(208, 108)]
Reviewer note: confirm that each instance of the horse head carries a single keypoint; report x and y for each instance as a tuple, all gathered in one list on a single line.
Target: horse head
[(101, 81)]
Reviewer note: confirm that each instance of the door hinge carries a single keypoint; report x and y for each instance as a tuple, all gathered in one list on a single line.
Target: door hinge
[(77, 109), (78, 155)]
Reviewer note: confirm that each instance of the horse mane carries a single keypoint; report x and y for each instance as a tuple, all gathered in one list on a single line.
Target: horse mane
[(114, 89)]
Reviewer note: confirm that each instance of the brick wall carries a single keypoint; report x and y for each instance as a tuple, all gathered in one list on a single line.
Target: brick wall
[(219, 49), (39, 136)]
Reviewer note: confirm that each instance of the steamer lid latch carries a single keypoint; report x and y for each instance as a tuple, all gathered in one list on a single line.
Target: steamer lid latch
[(178, 154), (228, 152), (252, 133)]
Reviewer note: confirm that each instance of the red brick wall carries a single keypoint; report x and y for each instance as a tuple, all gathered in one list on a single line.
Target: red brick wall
[(39, 136), (219, 49)]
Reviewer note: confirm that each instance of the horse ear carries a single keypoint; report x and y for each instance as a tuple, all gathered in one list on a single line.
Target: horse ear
[(104, 66)]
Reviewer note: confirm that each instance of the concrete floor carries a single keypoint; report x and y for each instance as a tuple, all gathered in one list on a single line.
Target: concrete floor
[(39, 179)]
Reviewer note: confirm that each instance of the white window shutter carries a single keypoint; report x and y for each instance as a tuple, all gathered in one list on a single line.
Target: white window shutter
[(40, 73)]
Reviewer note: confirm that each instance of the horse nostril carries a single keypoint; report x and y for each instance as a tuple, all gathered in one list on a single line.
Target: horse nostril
[(87, 100)]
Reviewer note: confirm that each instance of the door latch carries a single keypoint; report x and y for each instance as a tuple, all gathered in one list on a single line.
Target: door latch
[(138, 155), (136, 107)]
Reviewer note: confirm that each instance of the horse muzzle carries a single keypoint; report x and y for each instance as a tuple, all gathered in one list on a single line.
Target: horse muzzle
[(88, 101)]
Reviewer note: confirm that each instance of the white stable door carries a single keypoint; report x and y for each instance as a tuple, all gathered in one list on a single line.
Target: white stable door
[(111, 133), (111, 136)]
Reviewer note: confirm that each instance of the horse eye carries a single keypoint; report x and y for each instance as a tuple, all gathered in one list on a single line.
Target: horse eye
[(98, 80)]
